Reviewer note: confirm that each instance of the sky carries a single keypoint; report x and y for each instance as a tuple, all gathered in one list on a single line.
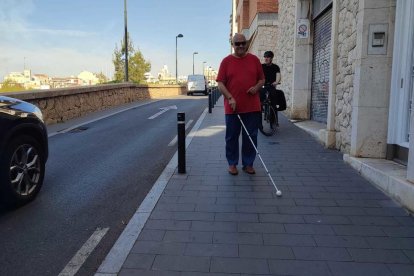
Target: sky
[(65, 37)]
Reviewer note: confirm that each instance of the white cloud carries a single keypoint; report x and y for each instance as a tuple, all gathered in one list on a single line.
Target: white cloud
[(55, 32), (13, 17), (75, 45), (14, 26), (55, 52), (15, 10)]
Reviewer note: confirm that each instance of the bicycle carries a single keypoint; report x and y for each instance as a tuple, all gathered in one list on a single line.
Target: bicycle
[(269, 114)]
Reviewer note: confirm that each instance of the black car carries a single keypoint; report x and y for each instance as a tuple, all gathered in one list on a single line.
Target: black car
[(23, 151)]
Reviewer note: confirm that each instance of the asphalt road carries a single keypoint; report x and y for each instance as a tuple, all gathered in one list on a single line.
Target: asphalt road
[(97, 175)]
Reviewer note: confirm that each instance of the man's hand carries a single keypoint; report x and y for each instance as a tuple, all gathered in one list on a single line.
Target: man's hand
[(232, 103), (252, 90)]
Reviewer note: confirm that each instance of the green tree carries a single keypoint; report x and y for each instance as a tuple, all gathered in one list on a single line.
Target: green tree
[(9, 86), (101, 77), (137, 65)]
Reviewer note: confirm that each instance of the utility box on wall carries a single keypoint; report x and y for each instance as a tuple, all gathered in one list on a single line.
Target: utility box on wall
[(377, 39)]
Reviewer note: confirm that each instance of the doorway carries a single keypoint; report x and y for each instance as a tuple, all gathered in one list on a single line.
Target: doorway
[(402, 83)]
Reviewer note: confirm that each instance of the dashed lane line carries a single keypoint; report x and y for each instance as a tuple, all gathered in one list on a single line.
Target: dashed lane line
[(96, 119), (80, 257), (174, 141)]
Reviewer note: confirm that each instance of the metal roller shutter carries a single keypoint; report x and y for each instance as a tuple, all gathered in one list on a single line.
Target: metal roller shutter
[(320, 66)]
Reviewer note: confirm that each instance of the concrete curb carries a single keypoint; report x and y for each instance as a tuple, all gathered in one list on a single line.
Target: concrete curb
[(388, 176)]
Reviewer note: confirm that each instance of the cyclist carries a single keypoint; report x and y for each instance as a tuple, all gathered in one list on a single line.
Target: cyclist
[(272, 79)]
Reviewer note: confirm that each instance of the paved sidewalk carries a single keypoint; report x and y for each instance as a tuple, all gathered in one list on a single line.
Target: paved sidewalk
[(329, 221)]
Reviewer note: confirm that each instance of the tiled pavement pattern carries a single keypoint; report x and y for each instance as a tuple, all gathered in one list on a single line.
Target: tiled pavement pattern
[(330, 221)]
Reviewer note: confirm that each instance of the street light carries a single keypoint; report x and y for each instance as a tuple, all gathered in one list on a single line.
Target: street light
[(126, 41), (204, 62), (195, 53), (176, 59)]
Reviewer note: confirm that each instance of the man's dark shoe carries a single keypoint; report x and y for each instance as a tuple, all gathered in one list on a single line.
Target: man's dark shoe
[(249, 170), (233, 170)]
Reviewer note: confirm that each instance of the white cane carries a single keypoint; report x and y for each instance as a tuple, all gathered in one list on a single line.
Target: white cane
[(278, 192)]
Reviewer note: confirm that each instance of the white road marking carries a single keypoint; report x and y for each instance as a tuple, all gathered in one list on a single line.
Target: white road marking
[(163, 110), (96, 119), (80, 257), (173, 141)]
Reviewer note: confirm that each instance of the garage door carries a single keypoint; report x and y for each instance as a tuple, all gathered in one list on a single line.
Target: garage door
[(321, 65)]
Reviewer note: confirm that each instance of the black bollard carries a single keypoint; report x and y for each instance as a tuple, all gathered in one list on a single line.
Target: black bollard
[(210, 100), (181, 141), (213, 100)]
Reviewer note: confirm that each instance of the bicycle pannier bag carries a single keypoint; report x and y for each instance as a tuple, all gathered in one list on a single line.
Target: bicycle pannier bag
[(280, 100)]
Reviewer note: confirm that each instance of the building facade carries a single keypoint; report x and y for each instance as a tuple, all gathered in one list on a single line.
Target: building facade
[(348, 65), (41, 81), (88, 78), (257, 20)]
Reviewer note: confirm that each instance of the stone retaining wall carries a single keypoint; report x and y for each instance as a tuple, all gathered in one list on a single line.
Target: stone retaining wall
[(59, 105)]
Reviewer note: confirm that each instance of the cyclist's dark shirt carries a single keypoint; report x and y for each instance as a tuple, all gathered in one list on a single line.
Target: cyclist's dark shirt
[(270, 72)]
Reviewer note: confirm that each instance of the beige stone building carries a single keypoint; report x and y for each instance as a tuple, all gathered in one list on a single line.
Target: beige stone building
[(88, 78), (23, 78), (257, 20), (348, 72)]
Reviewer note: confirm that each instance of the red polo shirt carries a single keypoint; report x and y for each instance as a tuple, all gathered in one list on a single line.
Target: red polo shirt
[(238, 75)]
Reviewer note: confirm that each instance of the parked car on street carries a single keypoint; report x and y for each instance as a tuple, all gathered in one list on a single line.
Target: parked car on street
[(196, 84), (23, 151)]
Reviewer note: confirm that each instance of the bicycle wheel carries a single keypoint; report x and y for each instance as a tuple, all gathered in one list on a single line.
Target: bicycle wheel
[(268, 125)]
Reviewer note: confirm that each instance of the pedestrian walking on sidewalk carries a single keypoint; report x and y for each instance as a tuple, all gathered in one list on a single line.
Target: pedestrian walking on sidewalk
[(239, 79)]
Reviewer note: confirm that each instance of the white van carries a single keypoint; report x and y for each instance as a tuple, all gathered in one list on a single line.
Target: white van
[(196, 84)]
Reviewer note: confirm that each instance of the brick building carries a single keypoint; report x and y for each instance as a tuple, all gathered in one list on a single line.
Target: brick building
[(257, 20), (348, 67)]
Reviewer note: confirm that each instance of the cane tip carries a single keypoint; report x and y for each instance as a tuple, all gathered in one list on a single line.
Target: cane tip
[(279, 193)]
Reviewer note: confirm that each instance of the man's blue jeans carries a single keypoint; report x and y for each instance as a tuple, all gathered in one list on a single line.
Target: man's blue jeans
[(233, 127)]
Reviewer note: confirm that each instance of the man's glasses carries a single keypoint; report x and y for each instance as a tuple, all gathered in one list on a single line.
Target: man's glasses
[(241, 43)]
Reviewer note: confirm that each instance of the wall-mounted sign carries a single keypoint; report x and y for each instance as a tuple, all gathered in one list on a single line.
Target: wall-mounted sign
[(302, 29)]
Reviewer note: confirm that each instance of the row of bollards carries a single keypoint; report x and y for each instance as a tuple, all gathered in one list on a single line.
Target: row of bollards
[(213, 96)]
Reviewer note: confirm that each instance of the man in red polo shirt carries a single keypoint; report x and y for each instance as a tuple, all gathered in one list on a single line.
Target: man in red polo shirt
[(239, 79)]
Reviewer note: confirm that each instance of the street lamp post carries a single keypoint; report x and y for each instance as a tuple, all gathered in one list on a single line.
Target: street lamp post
[(195, 53), (126, 41), (204, 63), (208, 73), (176, 59)]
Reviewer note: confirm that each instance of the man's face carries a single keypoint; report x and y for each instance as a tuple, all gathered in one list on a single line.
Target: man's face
[(239, 46), (268, 60)]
